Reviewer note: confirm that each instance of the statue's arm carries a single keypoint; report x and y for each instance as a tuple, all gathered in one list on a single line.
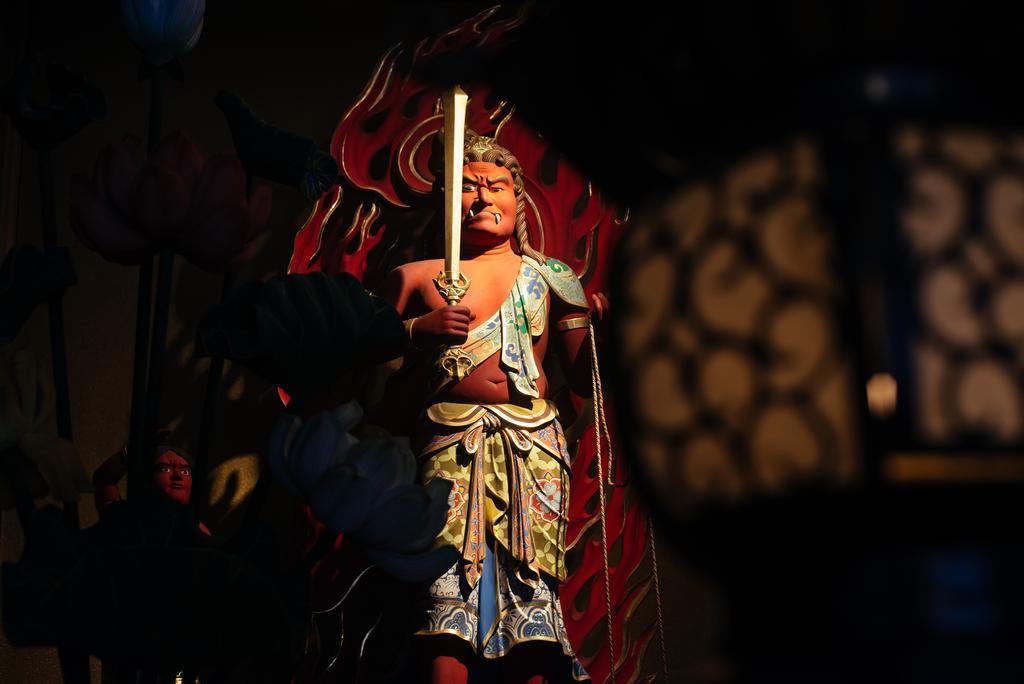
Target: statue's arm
[(571, 327), (447, 325), (572, 344), (395, 290)]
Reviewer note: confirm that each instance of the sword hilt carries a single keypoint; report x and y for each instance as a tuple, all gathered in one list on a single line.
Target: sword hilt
[(451, 286), (453, 362)]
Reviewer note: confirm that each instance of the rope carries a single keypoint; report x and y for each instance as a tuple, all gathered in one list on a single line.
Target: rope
[(595, 383), (602, 421), (601, 429), (657, 600)]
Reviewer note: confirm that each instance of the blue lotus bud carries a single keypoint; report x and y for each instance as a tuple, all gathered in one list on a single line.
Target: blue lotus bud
[(163, 29)]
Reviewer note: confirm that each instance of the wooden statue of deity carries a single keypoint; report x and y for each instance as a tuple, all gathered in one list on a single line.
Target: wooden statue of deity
[(493, 433), (536, 237)]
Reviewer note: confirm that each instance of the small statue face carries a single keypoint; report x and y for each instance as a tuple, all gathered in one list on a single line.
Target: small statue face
[(172, 475), (488, 203)]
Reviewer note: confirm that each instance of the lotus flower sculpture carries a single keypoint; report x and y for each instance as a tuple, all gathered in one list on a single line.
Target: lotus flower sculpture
[(366, 488), (132, 206)]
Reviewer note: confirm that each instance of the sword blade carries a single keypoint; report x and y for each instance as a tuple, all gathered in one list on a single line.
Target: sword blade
[(454, 102)]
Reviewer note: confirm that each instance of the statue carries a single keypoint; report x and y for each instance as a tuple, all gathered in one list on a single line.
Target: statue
[(493, 433), (375, 218)]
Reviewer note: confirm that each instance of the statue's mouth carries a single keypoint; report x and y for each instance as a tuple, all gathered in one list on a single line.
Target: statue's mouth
[(470, 215)]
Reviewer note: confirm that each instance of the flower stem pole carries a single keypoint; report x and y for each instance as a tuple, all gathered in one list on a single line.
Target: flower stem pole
[(157, 352), (143, 310), (206, 424), (156, 108), (139, 466), (58, 350), (74, 663), (209, 410)]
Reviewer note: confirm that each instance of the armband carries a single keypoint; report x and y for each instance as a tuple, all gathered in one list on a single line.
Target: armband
[(408, 330), (573, 323)]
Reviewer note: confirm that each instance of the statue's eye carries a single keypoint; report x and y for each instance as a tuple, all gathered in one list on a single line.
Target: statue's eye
[(468, 187)]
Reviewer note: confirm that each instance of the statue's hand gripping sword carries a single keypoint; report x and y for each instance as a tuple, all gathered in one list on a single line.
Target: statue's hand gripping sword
[(451, 284)]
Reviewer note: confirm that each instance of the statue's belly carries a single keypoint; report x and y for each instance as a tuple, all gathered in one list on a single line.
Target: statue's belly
[(488, 384)]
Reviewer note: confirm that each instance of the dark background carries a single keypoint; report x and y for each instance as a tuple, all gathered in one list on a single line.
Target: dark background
[(299, 65), (645, 99)]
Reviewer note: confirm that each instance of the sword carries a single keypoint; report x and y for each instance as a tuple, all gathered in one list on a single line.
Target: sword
[(451, 284)]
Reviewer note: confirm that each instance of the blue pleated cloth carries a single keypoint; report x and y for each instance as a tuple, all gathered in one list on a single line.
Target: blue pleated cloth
[(498, 613)]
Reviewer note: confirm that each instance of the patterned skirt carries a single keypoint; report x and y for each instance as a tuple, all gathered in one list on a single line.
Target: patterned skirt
[(498, 613)]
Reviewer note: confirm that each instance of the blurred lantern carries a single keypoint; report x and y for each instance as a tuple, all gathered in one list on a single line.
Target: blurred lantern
[(163, 29), (132, 206), (744, 386)]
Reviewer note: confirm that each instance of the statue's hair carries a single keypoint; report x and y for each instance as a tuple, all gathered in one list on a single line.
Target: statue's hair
[(479, 148), (167, 441), (180, 451)]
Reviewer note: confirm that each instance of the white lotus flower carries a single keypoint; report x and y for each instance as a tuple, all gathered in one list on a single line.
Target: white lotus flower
[(365, 488)]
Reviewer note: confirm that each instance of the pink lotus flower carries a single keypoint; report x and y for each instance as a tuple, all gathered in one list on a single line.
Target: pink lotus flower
[(133, 206)]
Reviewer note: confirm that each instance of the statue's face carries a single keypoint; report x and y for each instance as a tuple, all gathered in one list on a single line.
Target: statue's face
[(488, 203), (172, 475)]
